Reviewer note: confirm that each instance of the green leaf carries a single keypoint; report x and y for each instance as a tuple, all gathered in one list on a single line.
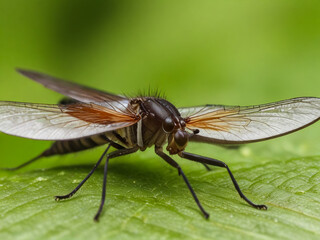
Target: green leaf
[(228, 52), (146, 199)]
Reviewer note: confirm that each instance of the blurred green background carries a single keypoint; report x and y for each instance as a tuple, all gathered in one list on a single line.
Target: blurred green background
[(196, 52)]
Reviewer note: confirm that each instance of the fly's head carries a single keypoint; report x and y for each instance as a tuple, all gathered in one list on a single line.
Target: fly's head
[(178, 138)]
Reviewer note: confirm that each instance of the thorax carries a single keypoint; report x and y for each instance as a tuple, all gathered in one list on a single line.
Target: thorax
[(149, 130)]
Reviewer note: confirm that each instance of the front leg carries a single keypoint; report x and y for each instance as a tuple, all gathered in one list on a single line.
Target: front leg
[(174, 164), (215, 162)]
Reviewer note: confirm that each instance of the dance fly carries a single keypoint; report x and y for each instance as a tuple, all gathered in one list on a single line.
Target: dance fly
[(89, 118)]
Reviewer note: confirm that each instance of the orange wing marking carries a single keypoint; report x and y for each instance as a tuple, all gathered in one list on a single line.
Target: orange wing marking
[(220, 120), (93, 113)]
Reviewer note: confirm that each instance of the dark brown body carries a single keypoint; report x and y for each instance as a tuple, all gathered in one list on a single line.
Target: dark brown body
[(144, 134)]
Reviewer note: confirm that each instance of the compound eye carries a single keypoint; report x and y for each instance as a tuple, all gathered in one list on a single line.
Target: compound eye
[(181, 138), (168, 125)]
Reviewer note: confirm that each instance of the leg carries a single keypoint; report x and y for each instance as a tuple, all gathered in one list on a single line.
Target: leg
[(115, 154), (54, 150), (104, 186), (206, 166), (57, 198), (174, 164), (215, 162), (25, 164)]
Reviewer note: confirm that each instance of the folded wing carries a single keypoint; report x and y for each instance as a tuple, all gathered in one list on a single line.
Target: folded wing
[(60, 122), (79, 92), (234, 124)]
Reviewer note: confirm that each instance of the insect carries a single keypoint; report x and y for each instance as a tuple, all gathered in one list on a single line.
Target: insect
[(90, 118)]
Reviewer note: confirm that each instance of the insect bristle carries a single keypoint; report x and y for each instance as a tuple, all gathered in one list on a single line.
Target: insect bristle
[(156, 93)]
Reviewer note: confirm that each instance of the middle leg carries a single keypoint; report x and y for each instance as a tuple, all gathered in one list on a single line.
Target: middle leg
[(118, 153)]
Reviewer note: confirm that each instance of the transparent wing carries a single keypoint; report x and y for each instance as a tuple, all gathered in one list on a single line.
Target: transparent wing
[(234, 124), (59, 122), (79, 92)]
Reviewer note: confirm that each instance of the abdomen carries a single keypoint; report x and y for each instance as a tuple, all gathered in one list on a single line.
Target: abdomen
[(122, 138)]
